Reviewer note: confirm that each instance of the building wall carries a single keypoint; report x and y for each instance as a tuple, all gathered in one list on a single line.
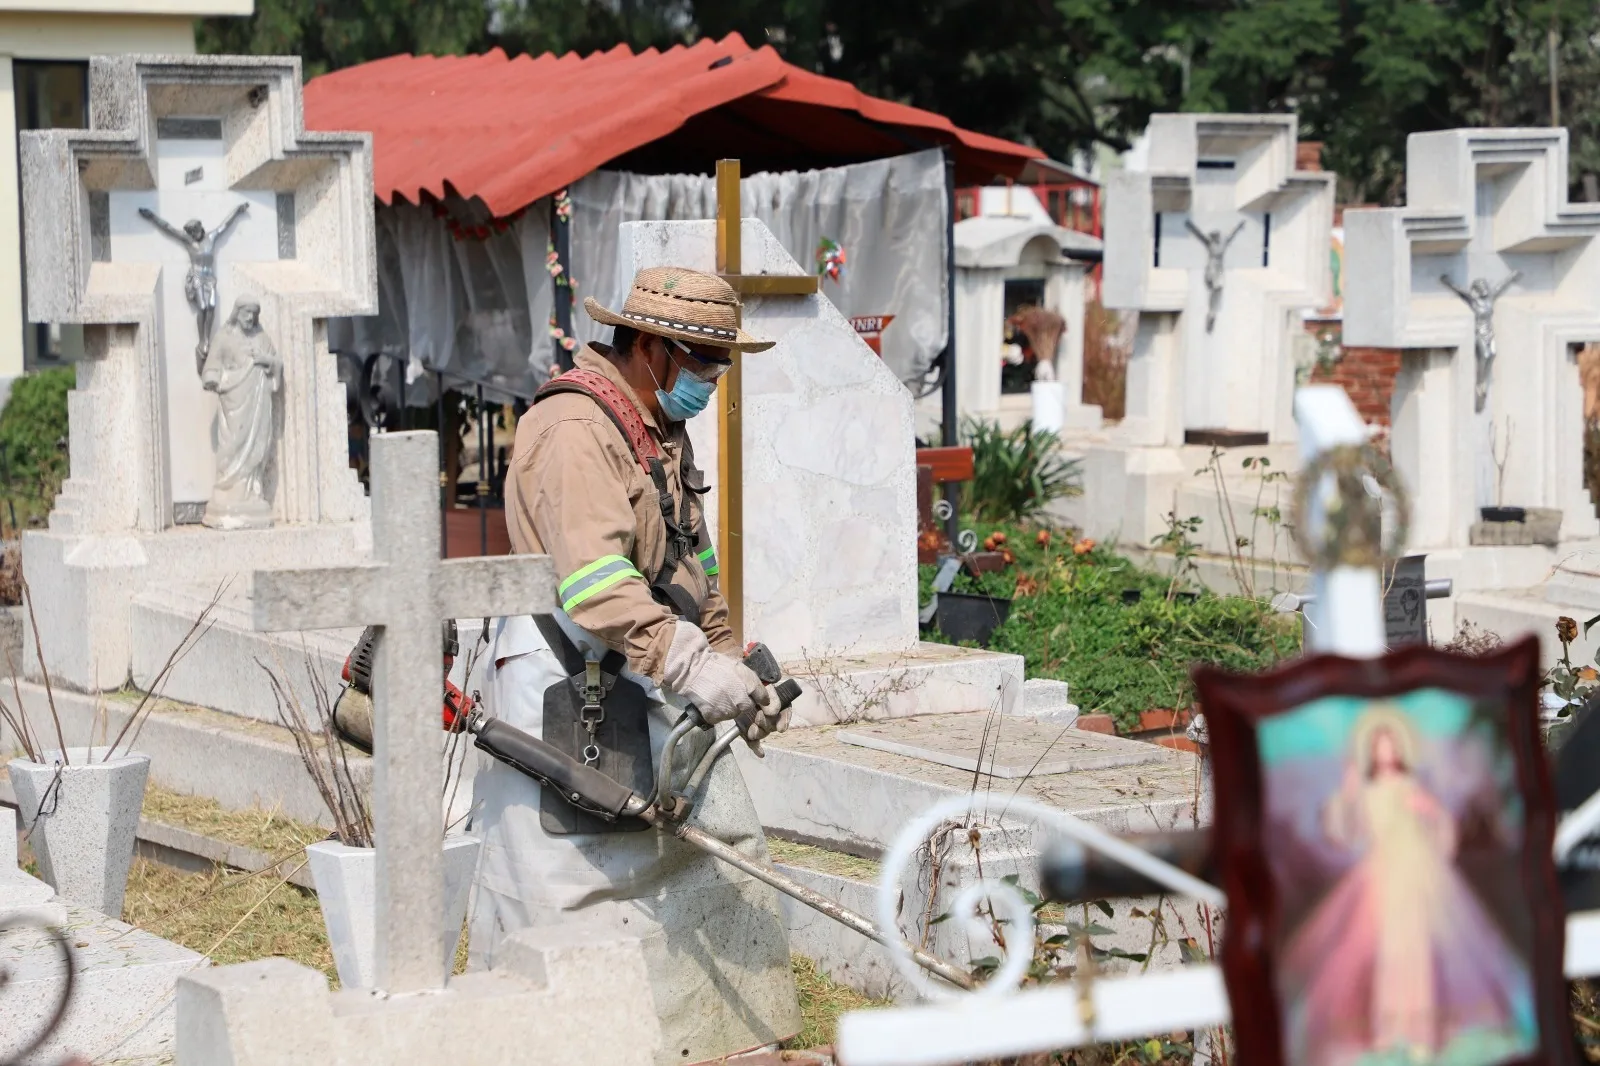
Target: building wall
[(1367, 375), (72, 30)]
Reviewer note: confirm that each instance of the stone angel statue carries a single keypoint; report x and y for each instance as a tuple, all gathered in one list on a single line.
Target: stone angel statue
[(1216, 247), (200, 283), (245, 372), (1480, 298)]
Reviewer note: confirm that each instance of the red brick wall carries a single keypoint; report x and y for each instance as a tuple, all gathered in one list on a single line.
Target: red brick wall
[(1367, 374)]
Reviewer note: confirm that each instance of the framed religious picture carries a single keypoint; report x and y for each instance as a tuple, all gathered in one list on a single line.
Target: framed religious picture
[(1383, 833)]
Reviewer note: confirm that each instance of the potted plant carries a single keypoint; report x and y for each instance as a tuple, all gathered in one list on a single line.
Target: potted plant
[(344, 867), (80, 804), (1500, 512)]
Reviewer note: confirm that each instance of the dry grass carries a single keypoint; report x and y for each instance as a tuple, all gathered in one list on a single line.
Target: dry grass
[(235, 917), (266, 831), (821, 1003), (231, 916), (822, 860)]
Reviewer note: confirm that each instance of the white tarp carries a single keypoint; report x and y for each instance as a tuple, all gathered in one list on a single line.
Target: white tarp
[(477, 308)]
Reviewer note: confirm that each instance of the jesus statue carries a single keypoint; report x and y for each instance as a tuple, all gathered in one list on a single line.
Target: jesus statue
[(1216, 247), (244, 371), (200, 283), (1480, 298)]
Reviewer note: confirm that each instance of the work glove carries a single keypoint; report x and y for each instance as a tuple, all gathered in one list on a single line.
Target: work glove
[(720, 686), (768, 717)]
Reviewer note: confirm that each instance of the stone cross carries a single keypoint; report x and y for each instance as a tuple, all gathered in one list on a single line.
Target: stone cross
[(730, 392), (408, 591), (1218, 201), (1489, 205), (191, 139)]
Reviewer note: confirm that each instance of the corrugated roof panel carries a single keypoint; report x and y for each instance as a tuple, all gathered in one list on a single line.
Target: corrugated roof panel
[(513, 130)]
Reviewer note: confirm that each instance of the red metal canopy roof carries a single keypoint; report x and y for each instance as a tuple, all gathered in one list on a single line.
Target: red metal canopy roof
[(513, 130)]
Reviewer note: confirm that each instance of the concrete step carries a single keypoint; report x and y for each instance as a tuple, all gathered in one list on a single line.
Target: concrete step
[(813, 787), (1514, 613), (224, 671), (121, 1010), (926, 679), (238, 762)]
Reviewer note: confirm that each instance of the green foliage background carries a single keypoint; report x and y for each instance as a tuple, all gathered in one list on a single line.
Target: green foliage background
[(1071, 76), (33, 445)]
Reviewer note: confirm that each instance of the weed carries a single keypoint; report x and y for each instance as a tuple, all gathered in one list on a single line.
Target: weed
[(1017, 474)]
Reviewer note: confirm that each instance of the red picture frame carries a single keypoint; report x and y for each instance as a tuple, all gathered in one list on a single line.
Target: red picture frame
[(1308, 945)]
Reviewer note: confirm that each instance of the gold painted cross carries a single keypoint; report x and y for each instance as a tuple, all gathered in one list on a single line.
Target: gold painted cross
[(730, 426)]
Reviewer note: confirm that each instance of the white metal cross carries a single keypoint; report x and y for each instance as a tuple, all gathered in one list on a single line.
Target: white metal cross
[(410, 592), (999, 1021)]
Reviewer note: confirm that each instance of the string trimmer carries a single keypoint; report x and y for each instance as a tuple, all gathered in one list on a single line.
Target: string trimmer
[(593, 792), (668, 810)]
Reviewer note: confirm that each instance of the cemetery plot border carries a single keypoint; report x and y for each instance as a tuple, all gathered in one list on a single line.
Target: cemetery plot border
[(1405, 714)]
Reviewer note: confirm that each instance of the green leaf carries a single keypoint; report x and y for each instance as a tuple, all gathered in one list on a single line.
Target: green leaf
[(1105, 908)]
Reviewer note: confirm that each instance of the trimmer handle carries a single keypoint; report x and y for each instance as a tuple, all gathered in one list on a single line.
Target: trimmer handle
[(759, 658)]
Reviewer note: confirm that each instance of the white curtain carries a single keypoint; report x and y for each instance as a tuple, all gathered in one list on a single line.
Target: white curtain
[(478, 308)]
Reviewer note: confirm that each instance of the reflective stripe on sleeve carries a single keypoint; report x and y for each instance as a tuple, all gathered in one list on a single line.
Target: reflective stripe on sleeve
[(594, 578), (708, 562)]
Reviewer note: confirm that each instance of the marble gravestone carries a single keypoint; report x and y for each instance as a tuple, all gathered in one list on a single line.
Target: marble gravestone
[(1218, 245), (201, 236), (830, 500), (1487, 408)]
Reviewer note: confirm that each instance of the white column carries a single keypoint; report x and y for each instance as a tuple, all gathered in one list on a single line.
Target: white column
[(11, 309)]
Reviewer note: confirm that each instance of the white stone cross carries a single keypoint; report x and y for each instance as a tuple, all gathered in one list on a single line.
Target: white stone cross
[(1486, 204), (191, 138), (1229, 175), (986, 1025), (410, 592)]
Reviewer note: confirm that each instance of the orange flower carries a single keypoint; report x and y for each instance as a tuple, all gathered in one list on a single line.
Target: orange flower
[(1026, 586), (1043, 539), (1005, 554), (1083, 547), (989, 544), (998, 537), (1588, 673)]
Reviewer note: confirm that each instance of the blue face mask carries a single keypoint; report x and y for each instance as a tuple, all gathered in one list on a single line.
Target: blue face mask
[(689, 396)]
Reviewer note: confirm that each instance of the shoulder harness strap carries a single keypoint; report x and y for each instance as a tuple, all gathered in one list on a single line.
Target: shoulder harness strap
[(630, 424), (618, 407)]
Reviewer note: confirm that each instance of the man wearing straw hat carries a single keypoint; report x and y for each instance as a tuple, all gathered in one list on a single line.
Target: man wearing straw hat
[(603, 481)]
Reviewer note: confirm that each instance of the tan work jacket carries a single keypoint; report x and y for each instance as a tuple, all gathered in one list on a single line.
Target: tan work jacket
[(576, 493)]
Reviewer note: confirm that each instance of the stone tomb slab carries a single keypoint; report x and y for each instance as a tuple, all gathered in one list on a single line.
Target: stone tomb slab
[(1003, 747)]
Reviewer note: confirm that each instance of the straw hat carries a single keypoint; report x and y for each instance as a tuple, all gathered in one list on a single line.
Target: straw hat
[(684, 304)]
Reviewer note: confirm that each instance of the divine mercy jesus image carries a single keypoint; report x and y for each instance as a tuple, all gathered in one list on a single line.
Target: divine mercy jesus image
[(1396, 957)]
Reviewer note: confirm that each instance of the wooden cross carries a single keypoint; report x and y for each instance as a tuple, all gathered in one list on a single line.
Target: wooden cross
[(730, 425)]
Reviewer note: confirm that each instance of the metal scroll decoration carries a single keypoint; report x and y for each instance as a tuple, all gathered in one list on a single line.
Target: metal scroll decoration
[(1005, 901), (966, 540), (58, 940), (1352, 520)]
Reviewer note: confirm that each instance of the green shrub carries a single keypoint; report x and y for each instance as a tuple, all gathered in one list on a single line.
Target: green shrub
[(33, 445), (1119, 658), (1016, 474)]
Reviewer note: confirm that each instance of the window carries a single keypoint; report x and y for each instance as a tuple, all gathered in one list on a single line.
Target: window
[(50, 96)]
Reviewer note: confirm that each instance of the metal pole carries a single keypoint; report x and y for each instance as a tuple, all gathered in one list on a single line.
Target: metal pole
[(815, 900), (561, 285), (949, 428), (483, 477), (444, 479)]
